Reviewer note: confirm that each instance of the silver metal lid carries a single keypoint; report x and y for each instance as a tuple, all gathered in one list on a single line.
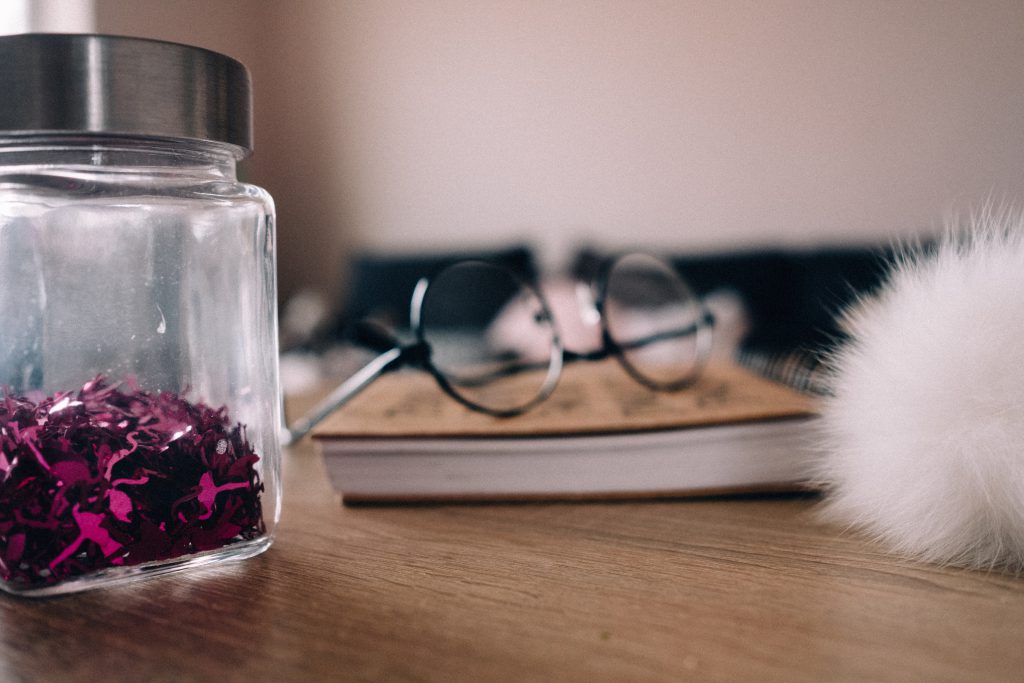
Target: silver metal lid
[(112, 85)]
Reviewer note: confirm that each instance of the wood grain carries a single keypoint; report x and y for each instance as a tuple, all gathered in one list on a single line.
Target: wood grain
[(703, 589)]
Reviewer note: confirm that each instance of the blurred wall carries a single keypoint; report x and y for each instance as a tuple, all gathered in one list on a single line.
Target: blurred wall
[(685, 124)]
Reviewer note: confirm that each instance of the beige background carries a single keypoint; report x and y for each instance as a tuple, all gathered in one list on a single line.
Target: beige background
[(390, 124)]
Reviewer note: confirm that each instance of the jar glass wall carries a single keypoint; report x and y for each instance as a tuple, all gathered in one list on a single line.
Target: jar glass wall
[(138, 360)]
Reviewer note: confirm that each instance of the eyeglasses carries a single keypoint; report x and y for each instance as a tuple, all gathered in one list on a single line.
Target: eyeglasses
[(491, 342)]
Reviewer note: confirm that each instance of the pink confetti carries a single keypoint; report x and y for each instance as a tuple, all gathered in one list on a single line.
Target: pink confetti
[(107, 477), (120, 504)]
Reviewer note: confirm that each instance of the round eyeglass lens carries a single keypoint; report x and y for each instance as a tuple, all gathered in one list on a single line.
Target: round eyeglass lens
[(492, 340), (658, 326)]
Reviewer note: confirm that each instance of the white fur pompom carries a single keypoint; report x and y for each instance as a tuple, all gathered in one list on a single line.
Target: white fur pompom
[(925, 429)]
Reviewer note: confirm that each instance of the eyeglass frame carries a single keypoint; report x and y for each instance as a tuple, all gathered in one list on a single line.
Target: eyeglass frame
[(395, 355)]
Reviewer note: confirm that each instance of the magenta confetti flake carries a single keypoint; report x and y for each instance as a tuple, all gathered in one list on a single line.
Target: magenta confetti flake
[(114, 476)]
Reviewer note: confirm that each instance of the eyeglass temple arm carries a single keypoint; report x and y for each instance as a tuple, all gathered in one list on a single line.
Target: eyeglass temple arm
[(346, 391), (707, 320), (609, 347)]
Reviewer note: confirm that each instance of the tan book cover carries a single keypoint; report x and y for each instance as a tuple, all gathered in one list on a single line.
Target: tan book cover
[(599, 435), (591, 398)]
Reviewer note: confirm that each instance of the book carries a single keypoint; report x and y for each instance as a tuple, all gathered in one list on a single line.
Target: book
[(599, 435)]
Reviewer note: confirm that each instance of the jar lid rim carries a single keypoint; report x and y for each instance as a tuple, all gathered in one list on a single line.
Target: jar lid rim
[(87, 84)]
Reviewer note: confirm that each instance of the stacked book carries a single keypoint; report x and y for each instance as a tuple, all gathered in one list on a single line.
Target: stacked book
[(600, 435)]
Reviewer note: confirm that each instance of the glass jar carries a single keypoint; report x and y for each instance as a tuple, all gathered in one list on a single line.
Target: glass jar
[(139, 398)]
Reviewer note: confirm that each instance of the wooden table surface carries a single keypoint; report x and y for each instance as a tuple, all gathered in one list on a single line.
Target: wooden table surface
[(703, 590)]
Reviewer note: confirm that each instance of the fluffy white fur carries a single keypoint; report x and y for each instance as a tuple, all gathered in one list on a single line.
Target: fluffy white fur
[(925, 430)]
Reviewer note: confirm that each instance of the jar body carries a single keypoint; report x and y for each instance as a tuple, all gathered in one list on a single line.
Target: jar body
[(138, 361)]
